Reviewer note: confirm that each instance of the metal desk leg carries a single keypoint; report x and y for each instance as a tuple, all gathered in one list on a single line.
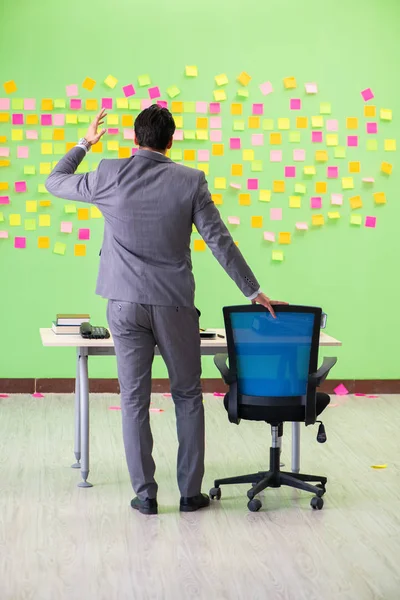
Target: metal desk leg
[(77, 443), (84, 406), (295, 447)]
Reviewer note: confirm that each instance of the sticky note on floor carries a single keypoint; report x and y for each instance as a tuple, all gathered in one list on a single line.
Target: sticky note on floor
[(341, 390), (383, 466)]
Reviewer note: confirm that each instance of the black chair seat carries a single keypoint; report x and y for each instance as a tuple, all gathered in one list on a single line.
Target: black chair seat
[(279, 414)]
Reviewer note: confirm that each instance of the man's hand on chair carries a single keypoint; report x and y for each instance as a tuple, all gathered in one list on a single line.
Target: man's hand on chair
[(265, 301), (93, 135)]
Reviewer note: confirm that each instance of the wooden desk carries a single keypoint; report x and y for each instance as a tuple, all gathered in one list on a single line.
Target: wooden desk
[(86, 348)]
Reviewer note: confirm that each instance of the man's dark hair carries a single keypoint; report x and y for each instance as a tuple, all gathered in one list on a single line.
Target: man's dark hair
[(154, 127)]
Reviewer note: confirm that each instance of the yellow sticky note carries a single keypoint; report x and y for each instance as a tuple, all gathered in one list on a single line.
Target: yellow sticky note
[(59, 248), (347, 183), (30, 224), (10, 87), (205, 167), (253, 122), (122, 103), (42, 188), (244, 199), (237, 170), (385, 114), (95, 213), (111, 81), (83, 214), (380, 198), (355, 202), (217, 198), (278, 186), (369, 110), (317, 220), (217, 150), (334, 215), (46, 148), (321, 187), (113, 145), (275, 139), (386, 168), (277, 255), (390, 145), (354, 166), (355, 219), (29, 170), (221, 79), (256, 222), (44, 220), (321, 156), (45, 168), (289, 82), (317, 122), (191, 71), (248, 154), (31, 206), (43, 242), (91, 104), (220, 183), (310, 170), (264, 195), (332, 139), (202, 134), (294, 202), (284, 237), (378, 466), (352, 123), (283, 123), (301, 122), (71, 119), (199, 245), (17, 135), (219, 95), (244, 78), (45, 203), (89, 84), (300, 188), (112, 119), (15, 220)]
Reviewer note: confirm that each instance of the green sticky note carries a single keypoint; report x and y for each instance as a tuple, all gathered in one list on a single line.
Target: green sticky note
[(83, 167), (355, 219), (189, 134), (1, 217), (46, 134), (134, 104), (238, 125), (325, 108), (243, 93), (340, 152), (30, 224), (189, 107), (277, 255), (59, 248), (59, 103), (83, 119), (257, 165), (300, 188), (41, 189), (372, 145), (268, 124), (59, 148), (173, 91), (294, 137), (176, 155), (17, 104), (144, 80), (29, 170), (82, 132), (70, 209)]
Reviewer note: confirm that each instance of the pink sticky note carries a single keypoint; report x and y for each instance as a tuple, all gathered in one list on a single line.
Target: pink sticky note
[(22, 152), (302, 226), (266, 88), (4, 199), (29, 104), (84, 234), (275, 155), (316, 136), (72, 90), (167, 395), (133, 151), (370, 222), (157, 410), (311, 88), (340, 390), (3, 235), (219, 394), (372, 127), (332, 172), (4, 103), (299, 155), (235, 186), (372, 396), (295, 104), (154, 92), (162, 103), (146, 103), (31, 134), (368, 180), (128, 90), (114, 408), (178, 135), (201, 107), (18, 119), (66, 227), (37, 395), (332, 125), (257, 139), (58, 119), (258, 109), (334, 405), (275, 214), (367, 94), (290, 171), (352, 140), (215, 107), (358, 394), (215, 123), (20, 186), (216, 135), (4, 151), (129, 134), (75, 104), (113, 131), (234, 143), (4, 396), (269, 236), (106, 103), (46, 120), (316, 202), (234, 220), (203, 155), (252, 184), (337, 199), (20, 242)]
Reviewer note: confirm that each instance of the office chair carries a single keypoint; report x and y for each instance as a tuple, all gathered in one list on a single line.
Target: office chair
[(273, 377)]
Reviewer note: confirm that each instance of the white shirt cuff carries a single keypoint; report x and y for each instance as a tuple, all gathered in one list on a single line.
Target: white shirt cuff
[(253, 296), (82, 146)]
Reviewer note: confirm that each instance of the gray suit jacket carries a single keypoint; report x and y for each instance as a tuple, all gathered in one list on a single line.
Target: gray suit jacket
[(149, 204)]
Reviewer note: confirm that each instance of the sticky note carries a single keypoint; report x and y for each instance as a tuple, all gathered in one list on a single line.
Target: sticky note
[(244, 199), (367, 94), (43, 242), (275, 214), (66, 227), (20, 242), (355, 202), (341, 390), (264, 195), (236, 108), (277, 255), (234, 220), (4, 151), (334, 215), (275, 139), (95, 213), (238, 125), (390, 145), (191, 71), (154, 92), (221, 79), (83, 214), (317, 122), (248, 155), (266, 88), (369, 110), (386, 168), (244, 78), (31, 206), (290, 172), (215, 107), (17, 135), (17, 119), (70, 208), (283, 123), (380, 198), (275, 155), (340, 152), (59, 248), (316, 136), (311, 88), (284, 237), (217, 150), (252, 184), (20, 186), (331, 139), (256, 222), (332, 125), (316, 202), (58, 103), (189, 155), (44, 221), (243, 93), (269, 236), (289, 83), (217, 198), (321, 187), (144, 80), (278, 186), (189, 134), (253, 122), (4, 104), (29, 170), (325, 108), (257, 166), (301, 226), (372, 145), (370, 222), (15, 220), (301, 122), (317, 220), (321, 156), (219, 95), (257, 139), (258, 109), (234, 143), (372, 127), (299, 155), (385, 114), (332, 172), (84, 234), (352, 123), (295, 104), (347, 183), (294, 202), (220, 183), (300, 188), (10, 87), (71, 90), (235, 169), (337, 199), (268, 124), (30, 224), (294, 137)]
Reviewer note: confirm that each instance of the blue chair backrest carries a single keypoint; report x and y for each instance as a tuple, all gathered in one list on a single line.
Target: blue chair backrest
[(272, 355)]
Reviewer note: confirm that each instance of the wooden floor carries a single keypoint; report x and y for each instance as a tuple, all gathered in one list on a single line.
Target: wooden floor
[(59, 542)]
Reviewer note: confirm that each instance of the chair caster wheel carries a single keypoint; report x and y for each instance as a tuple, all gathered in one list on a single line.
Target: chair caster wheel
[(254, 505), (321, 487), (317, 502), (215, 492), (250, 494)]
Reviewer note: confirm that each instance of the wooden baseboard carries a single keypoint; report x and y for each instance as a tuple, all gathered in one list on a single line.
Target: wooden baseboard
[(111, 386)]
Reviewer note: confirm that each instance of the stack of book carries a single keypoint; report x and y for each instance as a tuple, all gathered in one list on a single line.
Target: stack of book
[(69, 324)]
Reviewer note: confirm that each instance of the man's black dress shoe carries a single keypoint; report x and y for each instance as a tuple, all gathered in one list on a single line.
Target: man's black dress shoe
[(146, 507), (194, 503)]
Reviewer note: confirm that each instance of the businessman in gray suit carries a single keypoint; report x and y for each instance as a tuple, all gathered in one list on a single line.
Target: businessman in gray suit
[(149, 205)]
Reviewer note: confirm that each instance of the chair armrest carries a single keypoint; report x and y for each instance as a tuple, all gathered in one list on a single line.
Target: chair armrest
[(220, 362), (317, 378)]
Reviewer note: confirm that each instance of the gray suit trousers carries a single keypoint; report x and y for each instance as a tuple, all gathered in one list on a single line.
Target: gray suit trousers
[(137, 329)]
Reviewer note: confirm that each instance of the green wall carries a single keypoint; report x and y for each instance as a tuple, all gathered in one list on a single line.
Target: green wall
[(345, 47)]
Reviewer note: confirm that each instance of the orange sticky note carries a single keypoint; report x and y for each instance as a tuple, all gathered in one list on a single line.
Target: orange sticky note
[(275, 139), (176, 107), (254, 122), (256, 222), (127, 121), (217, 198), (217, 150), (43, 203), (236, 108), (91, 104), (321, 156), (58, 134), (302, 122), (199, 245), (355, 202), (201, 123), (244, 199), (10, 87), (97, 147), (284, 237), (237, 170), (3, 185), (386, 168), (32, 119), (83, 214), (43, 242), (244, 78), (89, 84), (369, 110), (352, 123), (80, 250), (321, 187), (278, 186), (4, 117), (70, 145), (317, 220), (354, 166), (3, 139), (380, 198), (124, 152), (47, 104), (4, 163), (189, 155), (289, 82)]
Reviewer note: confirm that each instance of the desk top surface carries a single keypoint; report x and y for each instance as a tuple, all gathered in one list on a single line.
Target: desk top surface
[(49, 338)]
